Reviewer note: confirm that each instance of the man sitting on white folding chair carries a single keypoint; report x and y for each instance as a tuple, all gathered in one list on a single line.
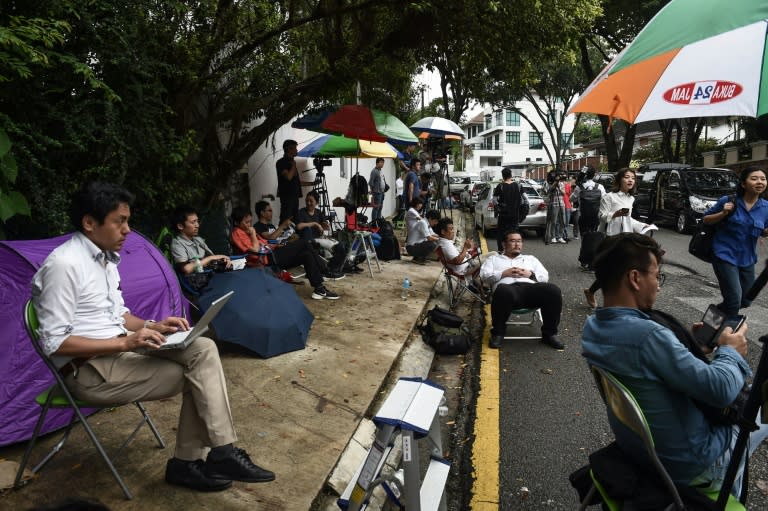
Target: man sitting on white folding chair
[(521, 282), (464, 262)]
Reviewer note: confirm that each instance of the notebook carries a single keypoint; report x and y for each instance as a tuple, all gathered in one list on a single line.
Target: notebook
[(182, 339)]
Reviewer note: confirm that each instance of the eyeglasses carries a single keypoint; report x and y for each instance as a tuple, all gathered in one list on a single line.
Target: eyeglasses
[(661, 276)]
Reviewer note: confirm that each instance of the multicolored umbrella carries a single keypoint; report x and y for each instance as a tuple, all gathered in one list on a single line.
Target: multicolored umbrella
[(338, 146), (360, 122), (437, 126), (695, 58)]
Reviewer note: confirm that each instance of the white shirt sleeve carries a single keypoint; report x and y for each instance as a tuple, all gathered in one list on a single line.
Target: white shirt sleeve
[(54, 295)]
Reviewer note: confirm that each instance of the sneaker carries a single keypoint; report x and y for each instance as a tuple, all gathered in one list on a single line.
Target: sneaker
[(553, 240), (575, 237), (191, 474), (321, 292), (333, 275), (560, 240), (495, 341), (237, 466)]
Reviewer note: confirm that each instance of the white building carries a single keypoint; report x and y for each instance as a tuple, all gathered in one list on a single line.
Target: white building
[(504, 137)]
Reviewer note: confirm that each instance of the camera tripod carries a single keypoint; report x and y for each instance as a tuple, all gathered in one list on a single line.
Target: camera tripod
[(324, 204), (442, 183)]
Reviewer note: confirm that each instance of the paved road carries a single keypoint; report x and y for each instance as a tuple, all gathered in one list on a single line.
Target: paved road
[(551, 416)]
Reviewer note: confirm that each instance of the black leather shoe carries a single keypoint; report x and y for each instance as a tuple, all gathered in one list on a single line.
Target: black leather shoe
[(551, 340), (191, 474), (238, 467), (495, 341)]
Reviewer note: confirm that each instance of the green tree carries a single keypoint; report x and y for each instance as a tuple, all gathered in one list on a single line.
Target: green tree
[(551, 91), (191, 89), (502, 43), (619, 24)]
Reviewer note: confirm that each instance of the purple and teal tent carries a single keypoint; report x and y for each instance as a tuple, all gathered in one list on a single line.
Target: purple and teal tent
[(150, 289)]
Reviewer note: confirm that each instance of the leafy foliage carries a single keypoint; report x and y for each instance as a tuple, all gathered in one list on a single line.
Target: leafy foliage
[(172, 97)]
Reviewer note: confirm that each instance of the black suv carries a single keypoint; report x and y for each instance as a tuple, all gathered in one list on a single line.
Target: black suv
[(678, 195)]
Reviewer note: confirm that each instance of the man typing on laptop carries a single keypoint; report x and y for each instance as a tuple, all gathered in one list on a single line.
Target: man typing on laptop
[(93, 337)]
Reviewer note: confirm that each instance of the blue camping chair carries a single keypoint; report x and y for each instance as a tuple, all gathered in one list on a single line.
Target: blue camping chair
[(59, 396)]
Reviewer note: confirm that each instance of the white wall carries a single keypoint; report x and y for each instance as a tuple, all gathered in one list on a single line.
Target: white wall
[(262, 175)]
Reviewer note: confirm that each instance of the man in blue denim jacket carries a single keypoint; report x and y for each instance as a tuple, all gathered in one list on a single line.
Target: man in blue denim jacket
[(659, 370)]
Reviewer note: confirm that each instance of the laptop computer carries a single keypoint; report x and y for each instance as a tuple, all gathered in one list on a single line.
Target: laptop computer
[(182, 339)]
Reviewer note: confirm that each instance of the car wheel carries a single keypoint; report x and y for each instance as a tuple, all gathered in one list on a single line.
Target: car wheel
[(682, 225), (482, 226)]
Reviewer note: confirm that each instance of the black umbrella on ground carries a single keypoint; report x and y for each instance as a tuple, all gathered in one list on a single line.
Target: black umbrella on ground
[(265, 315)]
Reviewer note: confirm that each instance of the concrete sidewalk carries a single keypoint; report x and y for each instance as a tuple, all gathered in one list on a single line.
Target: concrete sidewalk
[(294, 413)]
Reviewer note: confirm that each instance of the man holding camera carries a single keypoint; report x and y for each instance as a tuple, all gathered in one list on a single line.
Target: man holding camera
[(288, 182), (663, 375)]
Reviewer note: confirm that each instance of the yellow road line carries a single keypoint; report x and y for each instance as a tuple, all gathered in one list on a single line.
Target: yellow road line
[(485, 450)]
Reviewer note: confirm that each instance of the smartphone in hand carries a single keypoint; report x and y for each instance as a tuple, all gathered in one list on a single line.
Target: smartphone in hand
[(714, 322)]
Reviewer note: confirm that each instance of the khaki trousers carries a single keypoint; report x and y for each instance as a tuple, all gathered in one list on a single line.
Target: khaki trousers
[(205, 420)]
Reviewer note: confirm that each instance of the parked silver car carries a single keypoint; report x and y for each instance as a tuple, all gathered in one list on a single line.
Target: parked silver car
[(537, 214)]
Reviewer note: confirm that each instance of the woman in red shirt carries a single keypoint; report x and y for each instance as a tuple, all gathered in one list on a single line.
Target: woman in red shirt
[(245, 239)]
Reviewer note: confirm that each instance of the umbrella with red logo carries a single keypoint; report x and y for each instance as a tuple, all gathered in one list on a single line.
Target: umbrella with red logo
[(695, 58)]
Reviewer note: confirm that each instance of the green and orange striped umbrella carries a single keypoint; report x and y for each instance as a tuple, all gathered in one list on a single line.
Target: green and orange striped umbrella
[(695, 58)]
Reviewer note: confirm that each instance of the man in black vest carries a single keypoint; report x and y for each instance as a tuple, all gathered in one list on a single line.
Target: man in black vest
[(509, 197)]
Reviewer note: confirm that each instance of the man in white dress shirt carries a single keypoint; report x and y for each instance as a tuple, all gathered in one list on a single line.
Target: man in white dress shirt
[(92, 337), (520, 281)]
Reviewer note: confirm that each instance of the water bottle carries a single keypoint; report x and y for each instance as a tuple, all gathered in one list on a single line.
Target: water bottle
[(406, 288), (198, 265)]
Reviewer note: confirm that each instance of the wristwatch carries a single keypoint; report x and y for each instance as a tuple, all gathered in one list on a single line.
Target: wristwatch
[(149, 322)]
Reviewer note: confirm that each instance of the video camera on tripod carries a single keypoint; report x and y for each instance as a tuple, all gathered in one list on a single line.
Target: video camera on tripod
[(320, 164)]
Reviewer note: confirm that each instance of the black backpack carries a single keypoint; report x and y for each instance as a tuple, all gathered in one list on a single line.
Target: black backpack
[(589, 201), (358, 188), (445, 332), (388, 249), (386, 229)]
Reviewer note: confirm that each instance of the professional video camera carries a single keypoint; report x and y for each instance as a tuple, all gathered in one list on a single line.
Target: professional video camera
[(321, 163)]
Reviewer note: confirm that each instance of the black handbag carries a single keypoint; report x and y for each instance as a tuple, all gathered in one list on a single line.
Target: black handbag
[(700, 245)]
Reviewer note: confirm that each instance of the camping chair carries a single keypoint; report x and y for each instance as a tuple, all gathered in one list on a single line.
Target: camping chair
[(457, 283), (623, 407), (59, 396)]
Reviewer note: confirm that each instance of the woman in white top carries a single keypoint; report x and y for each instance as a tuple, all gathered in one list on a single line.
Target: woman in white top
[(617, 204), (615, 210)]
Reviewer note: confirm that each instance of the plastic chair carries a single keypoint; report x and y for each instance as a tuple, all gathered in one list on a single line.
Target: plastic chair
[(622, 406), (59, 396), (457, 283)]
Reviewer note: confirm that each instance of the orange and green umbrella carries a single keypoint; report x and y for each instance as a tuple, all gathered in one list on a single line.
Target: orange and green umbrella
[(695, 58)]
